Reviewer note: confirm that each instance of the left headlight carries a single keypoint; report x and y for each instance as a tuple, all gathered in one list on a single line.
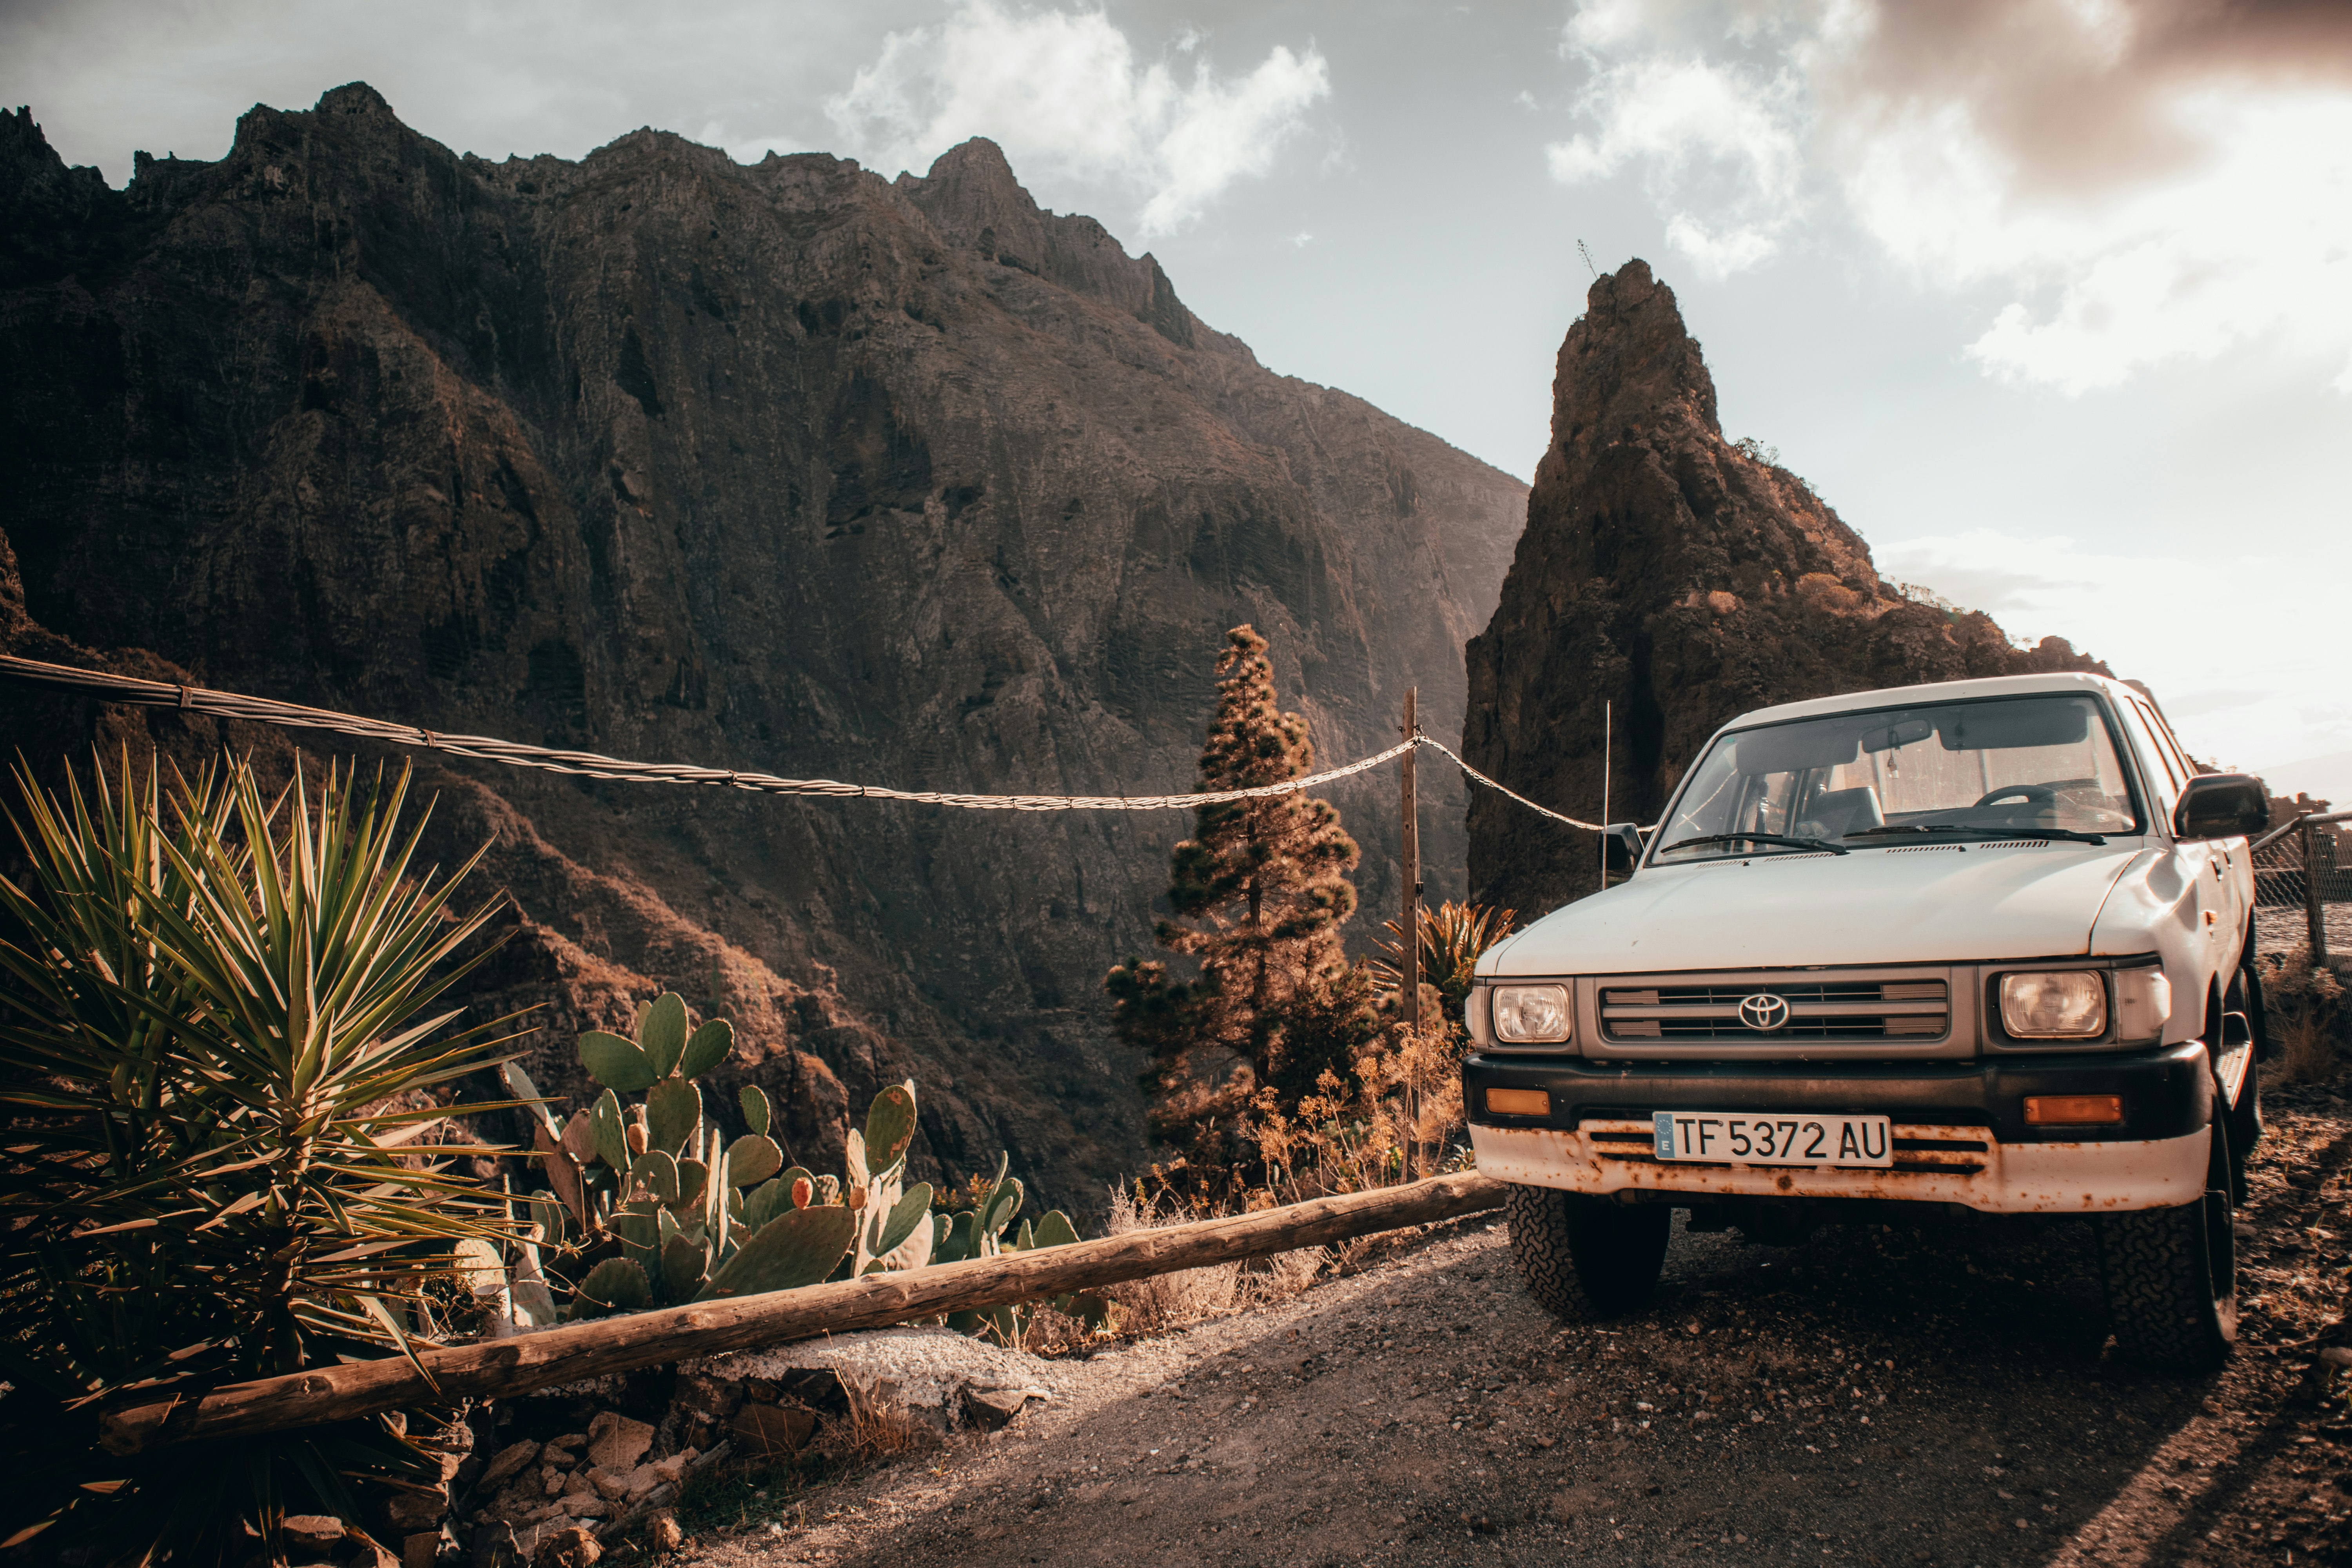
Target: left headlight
[(2054, 1004), (1531, 1014)]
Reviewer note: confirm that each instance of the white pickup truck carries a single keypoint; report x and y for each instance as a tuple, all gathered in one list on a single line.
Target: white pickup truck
[(1984, 945)]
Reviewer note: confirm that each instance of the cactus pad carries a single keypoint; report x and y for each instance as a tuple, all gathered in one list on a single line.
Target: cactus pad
[(610, 1132), (752, 1158), (891, 1125), (661, 1033), (673, 1115), (708, 1049), (615, 1062), (794, 1249), (900, 1222), (617, 1284)]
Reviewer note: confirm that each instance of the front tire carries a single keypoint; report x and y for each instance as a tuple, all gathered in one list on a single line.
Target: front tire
[(1585, 1258), (2171, 1276)]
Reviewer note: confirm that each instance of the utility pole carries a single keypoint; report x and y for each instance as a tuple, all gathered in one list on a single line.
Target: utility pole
[(1608, 737), (1410, 969)]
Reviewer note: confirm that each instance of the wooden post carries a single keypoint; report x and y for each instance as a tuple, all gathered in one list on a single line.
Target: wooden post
[(1411, 966), (2315, 909), (497, 1368)]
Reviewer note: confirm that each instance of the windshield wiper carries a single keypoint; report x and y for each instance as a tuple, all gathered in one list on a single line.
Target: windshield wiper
[(1758, 839), (2066, 833)]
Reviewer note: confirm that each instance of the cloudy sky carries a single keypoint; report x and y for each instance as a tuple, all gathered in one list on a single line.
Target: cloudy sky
[(2052, 298)]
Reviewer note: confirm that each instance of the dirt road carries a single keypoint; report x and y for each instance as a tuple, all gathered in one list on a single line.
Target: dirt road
[(1934, 1396)]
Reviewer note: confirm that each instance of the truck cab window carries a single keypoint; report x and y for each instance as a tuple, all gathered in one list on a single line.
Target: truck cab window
[(2030, 764)]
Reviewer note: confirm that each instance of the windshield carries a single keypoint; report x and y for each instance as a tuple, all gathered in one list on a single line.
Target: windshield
[(2023, 765)]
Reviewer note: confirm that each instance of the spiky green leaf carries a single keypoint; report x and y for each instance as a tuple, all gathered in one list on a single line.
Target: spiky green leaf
[(757, 1112)]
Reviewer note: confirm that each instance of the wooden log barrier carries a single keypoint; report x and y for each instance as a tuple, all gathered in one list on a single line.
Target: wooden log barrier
[(579, 1351)]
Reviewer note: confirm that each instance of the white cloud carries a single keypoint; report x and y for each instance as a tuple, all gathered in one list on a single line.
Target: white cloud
[(2131, 609), (1703, 133), (2150, 181), (1065, 89)]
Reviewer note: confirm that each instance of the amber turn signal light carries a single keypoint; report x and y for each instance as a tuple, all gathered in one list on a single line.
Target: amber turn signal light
[(1518, 1101), (2073, 1109)]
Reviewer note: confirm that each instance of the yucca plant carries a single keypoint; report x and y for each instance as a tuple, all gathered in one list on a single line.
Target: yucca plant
[(214, 1028), (1452, 936)]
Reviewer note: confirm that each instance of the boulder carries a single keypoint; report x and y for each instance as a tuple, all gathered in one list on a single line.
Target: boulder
[(615, 1443), (575, 1546), (509, 1461), (771, 1431), (314, 1532)]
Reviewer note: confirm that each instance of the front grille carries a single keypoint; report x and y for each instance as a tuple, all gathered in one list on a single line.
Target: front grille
[(1855, 1010)]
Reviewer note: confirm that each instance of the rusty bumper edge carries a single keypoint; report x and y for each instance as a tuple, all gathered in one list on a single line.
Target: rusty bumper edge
[(2030, 1178)]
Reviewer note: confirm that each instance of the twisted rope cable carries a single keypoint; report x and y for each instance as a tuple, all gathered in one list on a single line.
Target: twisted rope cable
[(1506, 789), (591, 765), (131, 690)]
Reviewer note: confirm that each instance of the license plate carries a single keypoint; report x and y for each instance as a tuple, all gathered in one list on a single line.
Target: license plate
[(1721, 1138)]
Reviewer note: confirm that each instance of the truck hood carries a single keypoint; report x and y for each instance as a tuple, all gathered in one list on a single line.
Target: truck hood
[(1908, 905)]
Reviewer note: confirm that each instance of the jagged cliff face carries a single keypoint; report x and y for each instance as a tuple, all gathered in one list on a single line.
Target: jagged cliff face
[(1669, 575), (782, 468)]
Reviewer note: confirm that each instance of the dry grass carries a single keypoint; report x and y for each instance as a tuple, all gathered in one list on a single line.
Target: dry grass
[(876, 1429), (2306, 1051), (2307, 1006), (1051, 1332), (1191, 1295)]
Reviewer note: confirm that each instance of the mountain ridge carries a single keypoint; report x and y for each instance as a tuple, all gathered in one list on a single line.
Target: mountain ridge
[(1668, 581), (782, 467)]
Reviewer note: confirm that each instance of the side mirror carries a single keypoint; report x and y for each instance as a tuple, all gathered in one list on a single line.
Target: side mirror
[(2221, 805), (1622, 842)]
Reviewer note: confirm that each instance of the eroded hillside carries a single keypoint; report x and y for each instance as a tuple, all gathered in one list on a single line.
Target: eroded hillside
[(787, 468)]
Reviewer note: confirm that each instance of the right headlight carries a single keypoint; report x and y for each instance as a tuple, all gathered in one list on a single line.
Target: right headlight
[(2054, 1004), (1531, 1014)]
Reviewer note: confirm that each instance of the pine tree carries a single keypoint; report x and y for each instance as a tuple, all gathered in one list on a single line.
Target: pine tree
[(1259, 891)]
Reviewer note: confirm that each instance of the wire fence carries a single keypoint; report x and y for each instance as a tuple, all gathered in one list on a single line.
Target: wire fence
[(2303, 888), (108, 688)]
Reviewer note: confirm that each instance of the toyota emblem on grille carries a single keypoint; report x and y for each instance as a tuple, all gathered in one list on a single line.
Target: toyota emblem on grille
[(1763, 1011)]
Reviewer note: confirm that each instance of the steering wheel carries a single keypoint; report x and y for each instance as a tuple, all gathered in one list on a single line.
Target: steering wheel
[(2031, 793)]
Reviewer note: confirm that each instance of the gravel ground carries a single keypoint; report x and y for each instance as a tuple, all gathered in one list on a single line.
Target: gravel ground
[(1940, 1396)]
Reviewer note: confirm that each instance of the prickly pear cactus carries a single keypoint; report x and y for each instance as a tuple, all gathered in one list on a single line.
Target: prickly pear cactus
[(647, 1204)]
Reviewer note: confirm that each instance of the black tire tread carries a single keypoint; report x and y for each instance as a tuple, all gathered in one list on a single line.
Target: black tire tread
[(1585, 1258), (2159, 1302)]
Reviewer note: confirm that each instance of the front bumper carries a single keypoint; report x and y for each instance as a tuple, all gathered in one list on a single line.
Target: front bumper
[(1959, 1129)]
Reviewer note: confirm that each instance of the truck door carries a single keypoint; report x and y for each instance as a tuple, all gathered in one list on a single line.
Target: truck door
[(2205, 864)]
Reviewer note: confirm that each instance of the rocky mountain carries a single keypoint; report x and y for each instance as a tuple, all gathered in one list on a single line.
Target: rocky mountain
[(1680, 580), (784, 467)]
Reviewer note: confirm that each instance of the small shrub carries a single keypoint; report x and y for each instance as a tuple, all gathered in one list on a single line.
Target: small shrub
[(2307, 1017), (1166, 1300), (2307, 1052)]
